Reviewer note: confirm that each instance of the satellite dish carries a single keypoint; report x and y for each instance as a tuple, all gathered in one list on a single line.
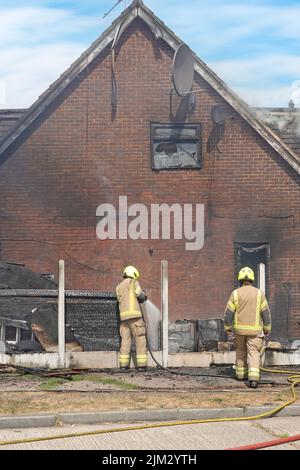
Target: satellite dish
[(183, 70)]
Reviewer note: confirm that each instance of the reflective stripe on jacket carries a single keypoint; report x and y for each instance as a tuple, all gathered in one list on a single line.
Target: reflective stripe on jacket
[(248, 312), (127, 292)]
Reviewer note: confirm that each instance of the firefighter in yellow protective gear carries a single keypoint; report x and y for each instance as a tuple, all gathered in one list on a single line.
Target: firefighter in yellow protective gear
[(248, 316), (130, 295)]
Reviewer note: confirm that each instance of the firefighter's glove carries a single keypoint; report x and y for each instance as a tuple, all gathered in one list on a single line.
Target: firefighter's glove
[(142, 298), (230, 335)]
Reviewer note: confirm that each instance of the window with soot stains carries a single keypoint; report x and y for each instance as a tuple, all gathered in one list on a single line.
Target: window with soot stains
[(175, 146)]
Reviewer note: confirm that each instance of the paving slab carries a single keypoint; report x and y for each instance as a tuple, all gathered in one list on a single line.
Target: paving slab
[(282, 427), (213, 436)]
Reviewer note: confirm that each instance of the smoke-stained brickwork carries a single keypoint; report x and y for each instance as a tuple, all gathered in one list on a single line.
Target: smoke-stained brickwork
[(77, 157)]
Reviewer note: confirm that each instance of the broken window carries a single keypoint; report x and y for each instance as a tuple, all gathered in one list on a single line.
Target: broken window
[(10, 333), (175, 146), (13, 334), (26, 335)]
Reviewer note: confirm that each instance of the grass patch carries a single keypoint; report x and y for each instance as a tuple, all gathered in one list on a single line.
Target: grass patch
[(51, 383), (218, 400), (105, 381), (119, 384)]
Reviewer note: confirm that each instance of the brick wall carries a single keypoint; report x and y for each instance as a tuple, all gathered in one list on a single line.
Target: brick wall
[(77, 157)]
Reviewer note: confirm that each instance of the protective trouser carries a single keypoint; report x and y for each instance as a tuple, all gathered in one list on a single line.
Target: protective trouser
[(248, 357), (136, 328)]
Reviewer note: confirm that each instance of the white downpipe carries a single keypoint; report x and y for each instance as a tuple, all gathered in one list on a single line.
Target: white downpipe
[(165, 312), (61, 313)]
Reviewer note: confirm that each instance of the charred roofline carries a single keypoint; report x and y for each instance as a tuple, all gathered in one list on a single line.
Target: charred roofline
[(138, 9), (276, 110), (12, 110)]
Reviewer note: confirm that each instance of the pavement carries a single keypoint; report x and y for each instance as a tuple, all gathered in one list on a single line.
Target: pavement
[(212, 436), (201, 436)]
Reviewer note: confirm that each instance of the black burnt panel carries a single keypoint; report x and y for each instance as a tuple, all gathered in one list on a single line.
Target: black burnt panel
[(94, 321), (95, 324)]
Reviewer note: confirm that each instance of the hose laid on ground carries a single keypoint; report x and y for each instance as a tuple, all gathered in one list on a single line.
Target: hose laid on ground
[(293, 379), (263, 445)]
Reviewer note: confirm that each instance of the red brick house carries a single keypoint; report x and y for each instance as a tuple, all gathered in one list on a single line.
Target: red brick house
[(74, 149)]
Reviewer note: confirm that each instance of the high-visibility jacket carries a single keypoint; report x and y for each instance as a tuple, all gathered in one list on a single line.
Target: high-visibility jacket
[(127, 293), (247, 312)]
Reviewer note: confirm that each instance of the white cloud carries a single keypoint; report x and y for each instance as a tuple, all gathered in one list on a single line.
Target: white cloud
[(35, 49), (296, 92), (39, 43), (30, 70), (265, 68), (268, 97), (258, 81), (31, 25), (2, 94), (229, 20)]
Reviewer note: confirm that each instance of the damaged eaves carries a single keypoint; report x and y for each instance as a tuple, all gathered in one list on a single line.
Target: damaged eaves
[(160, 30), (285, 122), (9, 119)]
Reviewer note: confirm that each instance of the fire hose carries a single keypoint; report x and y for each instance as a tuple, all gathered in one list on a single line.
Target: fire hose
[(273, 443), (293, 379)]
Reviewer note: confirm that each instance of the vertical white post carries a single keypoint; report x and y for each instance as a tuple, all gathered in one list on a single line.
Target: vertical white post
[(262, 277), (262, 287), (61, 313), (165, 312)]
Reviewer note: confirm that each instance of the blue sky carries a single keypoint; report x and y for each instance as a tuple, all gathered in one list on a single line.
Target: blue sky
[(253, 45)]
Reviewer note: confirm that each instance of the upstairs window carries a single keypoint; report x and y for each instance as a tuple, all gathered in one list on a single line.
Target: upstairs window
[(175, 146)]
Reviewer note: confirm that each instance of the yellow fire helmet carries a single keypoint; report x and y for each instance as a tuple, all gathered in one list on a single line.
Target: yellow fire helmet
[(131, 271), (246, 274)]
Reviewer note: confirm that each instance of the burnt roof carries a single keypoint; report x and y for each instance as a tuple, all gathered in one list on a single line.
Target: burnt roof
[(285, 122), (8, 120), (138, 10), (16, 276)]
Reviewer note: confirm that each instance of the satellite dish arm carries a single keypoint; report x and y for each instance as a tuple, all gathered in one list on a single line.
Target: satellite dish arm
[(112, 8)]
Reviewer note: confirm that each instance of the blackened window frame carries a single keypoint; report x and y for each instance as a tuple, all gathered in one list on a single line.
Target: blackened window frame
[(3, 334), (198, 140), (252, 245)]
